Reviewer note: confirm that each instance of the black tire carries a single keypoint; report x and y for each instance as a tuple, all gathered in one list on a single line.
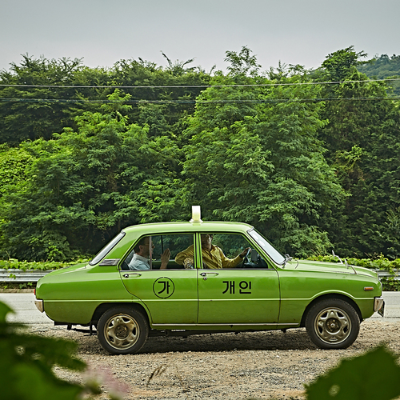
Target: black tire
[(122, 330), (332, 324)]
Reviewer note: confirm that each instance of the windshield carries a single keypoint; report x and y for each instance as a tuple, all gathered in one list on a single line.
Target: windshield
[(267, 247), (103, 252)]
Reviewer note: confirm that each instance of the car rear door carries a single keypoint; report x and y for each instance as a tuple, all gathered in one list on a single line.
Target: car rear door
[(169, 294)]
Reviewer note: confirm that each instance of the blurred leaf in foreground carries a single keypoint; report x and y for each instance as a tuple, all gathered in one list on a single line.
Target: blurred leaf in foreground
[(374, 375), (27, 361)]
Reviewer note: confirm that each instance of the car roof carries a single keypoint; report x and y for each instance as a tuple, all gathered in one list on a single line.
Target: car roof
[(171, 227)]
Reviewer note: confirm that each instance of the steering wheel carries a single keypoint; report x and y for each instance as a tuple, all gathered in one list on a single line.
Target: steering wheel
[(245, 258)]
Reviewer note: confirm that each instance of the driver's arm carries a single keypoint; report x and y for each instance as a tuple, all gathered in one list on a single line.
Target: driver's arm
[(232, 262)]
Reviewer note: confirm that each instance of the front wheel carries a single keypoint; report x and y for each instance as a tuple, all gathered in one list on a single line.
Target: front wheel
[(332, 324), (122, 330)]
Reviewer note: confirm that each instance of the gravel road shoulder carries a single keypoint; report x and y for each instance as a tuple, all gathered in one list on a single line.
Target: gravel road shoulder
[(258, 365)]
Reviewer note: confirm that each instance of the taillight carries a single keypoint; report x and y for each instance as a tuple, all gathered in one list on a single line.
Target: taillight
[(34, 291)]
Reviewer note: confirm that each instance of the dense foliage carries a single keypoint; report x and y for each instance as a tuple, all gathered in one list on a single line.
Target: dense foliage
[(361, 137), (313, 166), (384, 67)]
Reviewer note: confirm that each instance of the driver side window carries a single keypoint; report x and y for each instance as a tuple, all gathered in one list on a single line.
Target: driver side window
[(222, 250)]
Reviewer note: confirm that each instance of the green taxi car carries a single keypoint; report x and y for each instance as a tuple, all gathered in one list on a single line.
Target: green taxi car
[(183, 278)]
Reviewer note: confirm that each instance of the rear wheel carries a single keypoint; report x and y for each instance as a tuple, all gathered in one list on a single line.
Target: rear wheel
[(122, 330), (332, 324)]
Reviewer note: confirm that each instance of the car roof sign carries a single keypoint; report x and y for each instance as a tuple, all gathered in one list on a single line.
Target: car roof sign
[(196, 214)]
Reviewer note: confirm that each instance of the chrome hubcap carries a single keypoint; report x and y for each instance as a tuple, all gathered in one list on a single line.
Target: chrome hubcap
[(332, 325), (121, 331)]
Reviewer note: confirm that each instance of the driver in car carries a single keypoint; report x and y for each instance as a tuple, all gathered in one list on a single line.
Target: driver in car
[(213, 256)]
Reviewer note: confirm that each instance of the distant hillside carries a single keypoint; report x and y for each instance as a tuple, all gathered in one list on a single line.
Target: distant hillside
[(384, 67)]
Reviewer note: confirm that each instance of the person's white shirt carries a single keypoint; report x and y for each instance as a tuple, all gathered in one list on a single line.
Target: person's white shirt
[(139, 263)]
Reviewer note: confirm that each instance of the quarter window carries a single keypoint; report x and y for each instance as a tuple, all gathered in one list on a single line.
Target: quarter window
[(103, 252)]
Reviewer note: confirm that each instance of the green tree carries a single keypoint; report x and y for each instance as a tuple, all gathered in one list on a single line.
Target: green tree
[(14, 163), (13, 168), (175, 86), (362, 142), (254, 157), (86, 185), (337, 65), (384, 67), (37, 111)]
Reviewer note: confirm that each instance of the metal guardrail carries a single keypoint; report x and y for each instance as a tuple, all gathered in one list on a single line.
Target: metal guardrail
[(20, 276), (384, 274)]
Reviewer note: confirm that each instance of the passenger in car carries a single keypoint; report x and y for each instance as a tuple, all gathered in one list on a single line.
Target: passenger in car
[(141, 259), (213, 256)]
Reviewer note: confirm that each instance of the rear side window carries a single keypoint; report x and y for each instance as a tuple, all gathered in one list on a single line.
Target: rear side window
[(107, 249), (147, 253)]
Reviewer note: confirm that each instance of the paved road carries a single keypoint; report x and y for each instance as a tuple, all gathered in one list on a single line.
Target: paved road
[(26, 311), (392, 306)]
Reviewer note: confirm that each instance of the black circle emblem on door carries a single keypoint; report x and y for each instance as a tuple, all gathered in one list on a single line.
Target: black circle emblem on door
[(163, 288)]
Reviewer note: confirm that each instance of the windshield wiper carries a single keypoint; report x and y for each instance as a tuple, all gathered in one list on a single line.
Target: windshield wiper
[(345, 262), (334, 255)]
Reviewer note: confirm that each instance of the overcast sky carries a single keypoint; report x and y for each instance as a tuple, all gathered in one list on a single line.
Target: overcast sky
[(105, 31)]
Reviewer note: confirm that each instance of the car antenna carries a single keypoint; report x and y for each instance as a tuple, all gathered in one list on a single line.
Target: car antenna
[(349, 265)]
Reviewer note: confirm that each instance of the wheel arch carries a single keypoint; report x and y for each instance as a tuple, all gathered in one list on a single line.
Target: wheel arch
[(102, 308), (330, 296)]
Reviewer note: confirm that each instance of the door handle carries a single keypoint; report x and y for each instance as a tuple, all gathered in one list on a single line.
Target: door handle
[(132, 273), (204, 274)]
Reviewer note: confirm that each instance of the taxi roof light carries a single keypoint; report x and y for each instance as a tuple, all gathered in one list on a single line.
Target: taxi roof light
[(196, 214)]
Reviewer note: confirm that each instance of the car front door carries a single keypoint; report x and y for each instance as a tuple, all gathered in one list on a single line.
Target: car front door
[(242, 294)]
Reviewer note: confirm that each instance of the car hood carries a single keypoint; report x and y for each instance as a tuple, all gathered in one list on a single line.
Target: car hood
[(319, 266), (66, 270)]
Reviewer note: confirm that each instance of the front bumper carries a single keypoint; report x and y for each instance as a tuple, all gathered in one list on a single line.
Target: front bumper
[(39, 305), (379, 306)]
